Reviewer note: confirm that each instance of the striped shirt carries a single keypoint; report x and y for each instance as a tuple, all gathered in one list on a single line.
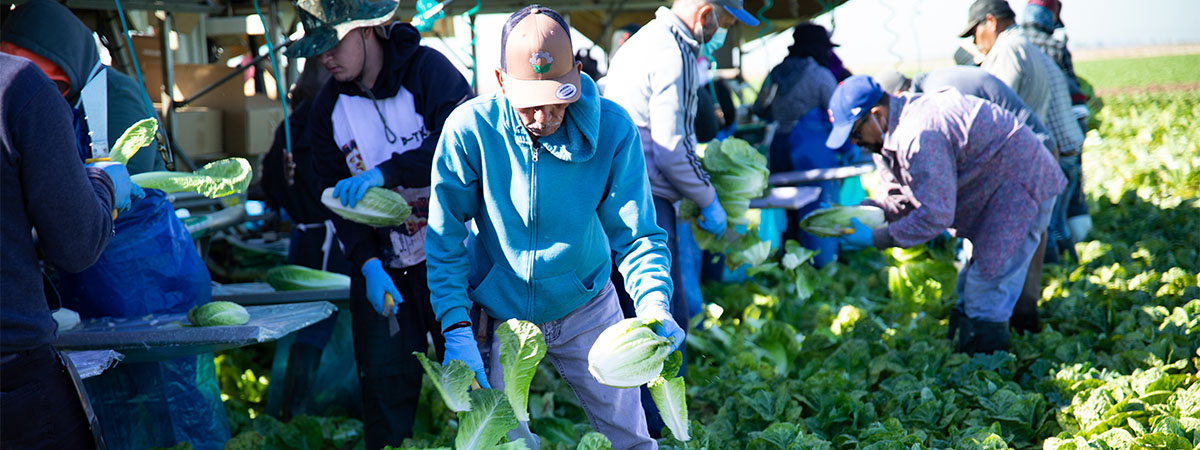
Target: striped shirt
[(654, 77), (955, 161)]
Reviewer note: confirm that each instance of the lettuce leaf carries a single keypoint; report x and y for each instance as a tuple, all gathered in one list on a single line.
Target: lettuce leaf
[(522, 347), (594, 441), (490, 418), (451, 380), (133, 139), (216, 179), (670, 397)]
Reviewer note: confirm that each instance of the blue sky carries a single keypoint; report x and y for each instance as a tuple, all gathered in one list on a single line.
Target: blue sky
[(877, 33), (928, 28)]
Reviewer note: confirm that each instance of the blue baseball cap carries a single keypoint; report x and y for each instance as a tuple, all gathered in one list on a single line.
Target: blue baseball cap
[(734, 8), (852, 99)]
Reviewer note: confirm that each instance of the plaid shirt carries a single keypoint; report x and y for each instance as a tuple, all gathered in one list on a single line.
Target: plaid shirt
[(1059, 118), (1057, 51)]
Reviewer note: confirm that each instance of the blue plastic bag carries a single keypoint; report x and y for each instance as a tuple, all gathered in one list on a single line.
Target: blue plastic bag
[(808, 151), (159, 404), (149, 266)]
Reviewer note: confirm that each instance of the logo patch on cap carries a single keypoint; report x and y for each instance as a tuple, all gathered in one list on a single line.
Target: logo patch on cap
[(854, 111), (566, 91), (541, 56)]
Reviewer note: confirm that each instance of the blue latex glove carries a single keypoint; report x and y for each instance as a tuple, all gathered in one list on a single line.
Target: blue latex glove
[(136, 192), (351, 190), (379, 282), (712, 218), (122, 186), (666, 327), (460, 345), (860, 238)]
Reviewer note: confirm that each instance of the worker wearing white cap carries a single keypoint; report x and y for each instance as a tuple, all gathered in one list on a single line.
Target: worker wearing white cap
[(655, 78)]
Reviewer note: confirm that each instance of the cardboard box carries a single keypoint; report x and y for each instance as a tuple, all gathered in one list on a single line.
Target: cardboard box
[(247, 122), (252, 133), (148, 49), (199, 131), (190, 79)]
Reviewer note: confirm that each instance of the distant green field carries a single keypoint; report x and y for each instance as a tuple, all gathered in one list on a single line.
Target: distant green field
[(1136, 72)]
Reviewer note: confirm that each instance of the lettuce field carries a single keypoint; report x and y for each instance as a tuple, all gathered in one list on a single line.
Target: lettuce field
[(855, 355)]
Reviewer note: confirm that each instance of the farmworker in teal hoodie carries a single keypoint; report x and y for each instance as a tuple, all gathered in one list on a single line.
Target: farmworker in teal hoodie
[(375, 123), (553, 178), (47, 33)]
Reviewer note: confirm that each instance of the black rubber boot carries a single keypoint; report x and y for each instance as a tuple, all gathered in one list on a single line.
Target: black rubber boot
[(1025, 321), (977, 336), (956, 315)]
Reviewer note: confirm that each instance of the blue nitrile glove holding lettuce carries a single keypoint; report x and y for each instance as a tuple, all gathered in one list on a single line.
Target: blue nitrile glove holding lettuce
[(123, 187), (861, 237), (351, 190), (653, 306), (379, 282), (712, 218), (460, 345), (666, 327)]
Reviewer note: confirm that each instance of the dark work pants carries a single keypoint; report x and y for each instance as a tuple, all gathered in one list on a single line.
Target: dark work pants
[(389, 374), (666, 219), (39, 408), (304, 356)]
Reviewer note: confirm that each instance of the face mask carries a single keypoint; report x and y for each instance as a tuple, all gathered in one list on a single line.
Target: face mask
[(710, 47)]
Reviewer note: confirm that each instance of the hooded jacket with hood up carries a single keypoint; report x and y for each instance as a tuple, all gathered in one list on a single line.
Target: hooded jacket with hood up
[(415, 91), (51, 31), (550, 214)]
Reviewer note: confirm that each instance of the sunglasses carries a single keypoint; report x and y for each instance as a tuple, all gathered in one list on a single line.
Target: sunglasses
[(856, 132)]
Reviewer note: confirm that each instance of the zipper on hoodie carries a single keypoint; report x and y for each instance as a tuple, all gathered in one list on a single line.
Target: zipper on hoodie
[(532, 227)]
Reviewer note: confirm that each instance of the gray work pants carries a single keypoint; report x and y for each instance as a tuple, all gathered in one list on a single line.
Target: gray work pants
[(615, 413)]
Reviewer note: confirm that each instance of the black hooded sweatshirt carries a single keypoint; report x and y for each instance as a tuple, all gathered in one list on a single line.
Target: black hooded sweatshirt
[(49, 29), (416, 90)]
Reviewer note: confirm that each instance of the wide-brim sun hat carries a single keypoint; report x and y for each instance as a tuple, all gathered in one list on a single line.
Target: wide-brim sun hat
[(326, 22)]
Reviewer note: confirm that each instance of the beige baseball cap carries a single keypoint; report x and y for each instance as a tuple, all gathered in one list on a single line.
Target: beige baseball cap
[(537, 59)]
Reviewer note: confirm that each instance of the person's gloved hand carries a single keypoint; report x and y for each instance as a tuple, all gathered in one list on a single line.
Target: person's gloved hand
[(378, 283), (351, 190), (460, 345), (136, 192), (122, 185), (666, 327), (860, 238), (712, 218)]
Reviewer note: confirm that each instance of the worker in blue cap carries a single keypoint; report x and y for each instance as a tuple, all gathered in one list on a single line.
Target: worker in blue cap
[(952, 161)]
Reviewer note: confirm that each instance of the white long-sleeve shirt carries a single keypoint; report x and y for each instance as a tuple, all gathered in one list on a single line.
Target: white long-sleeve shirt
[(654, 77)]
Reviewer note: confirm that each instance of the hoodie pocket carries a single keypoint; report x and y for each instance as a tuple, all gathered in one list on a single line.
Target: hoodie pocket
[(558, 295), (504, 295)]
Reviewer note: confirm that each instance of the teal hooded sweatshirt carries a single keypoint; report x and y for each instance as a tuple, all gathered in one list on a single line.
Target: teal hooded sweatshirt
[(548, 219)]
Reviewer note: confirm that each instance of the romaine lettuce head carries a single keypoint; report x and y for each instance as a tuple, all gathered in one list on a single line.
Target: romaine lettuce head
[(628, 354)]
